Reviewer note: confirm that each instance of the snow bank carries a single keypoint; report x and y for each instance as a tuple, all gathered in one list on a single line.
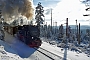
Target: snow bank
[(7, 53), (71, 53)]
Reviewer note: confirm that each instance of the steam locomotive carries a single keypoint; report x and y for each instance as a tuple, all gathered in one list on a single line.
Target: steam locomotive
[(29, 34)]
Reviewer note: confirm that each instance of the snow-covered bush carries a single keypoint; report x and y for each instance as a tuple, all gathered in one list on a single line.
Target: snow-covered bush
[(61, 45)]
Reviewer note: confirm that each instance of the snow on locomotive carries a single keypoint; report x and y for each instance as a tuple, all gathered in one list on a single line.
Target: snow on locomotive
[(29, 34)]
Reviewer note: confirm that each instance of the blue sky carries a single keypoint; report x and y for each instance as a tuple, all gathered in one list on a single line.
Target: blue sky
[(62, 9), (46, 2)]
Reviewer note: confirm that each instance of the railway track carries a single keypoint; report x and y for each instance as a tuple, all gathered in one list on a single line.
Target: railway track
[(49, 54)]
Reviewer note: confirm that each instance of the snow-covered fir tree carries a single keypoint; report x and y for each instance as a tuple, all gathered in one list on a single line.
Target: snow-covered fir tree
[(39, 14)]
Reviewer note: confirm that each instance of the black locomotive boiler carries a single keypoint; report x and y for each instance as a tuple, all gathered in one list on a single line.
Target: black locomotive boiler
[(29, 34)]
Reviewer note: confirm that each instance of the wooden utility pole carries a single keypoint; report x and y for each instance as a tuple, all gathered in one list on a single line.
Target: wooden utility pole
[(51, 20), (79, 35), (67, 27), (76, 30)]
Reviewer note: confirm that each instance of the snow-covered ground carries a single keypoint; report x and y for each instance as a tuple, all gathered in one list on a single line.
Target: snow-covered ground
[(13, 49), (65, 53), (7, 52)]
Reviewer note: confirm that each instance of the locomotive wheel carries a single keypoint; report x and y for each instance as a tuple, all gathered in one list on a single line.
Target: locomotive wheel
[(38, 42), (35, 43)]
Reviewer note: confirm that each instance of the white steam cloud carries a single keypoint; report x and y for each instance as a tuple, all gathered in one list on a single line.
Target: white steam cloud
[(12, 9)]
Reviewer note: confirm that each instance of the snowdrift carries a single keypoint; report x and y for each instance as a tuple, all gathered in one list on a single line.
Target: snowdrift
[(7, 52)]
